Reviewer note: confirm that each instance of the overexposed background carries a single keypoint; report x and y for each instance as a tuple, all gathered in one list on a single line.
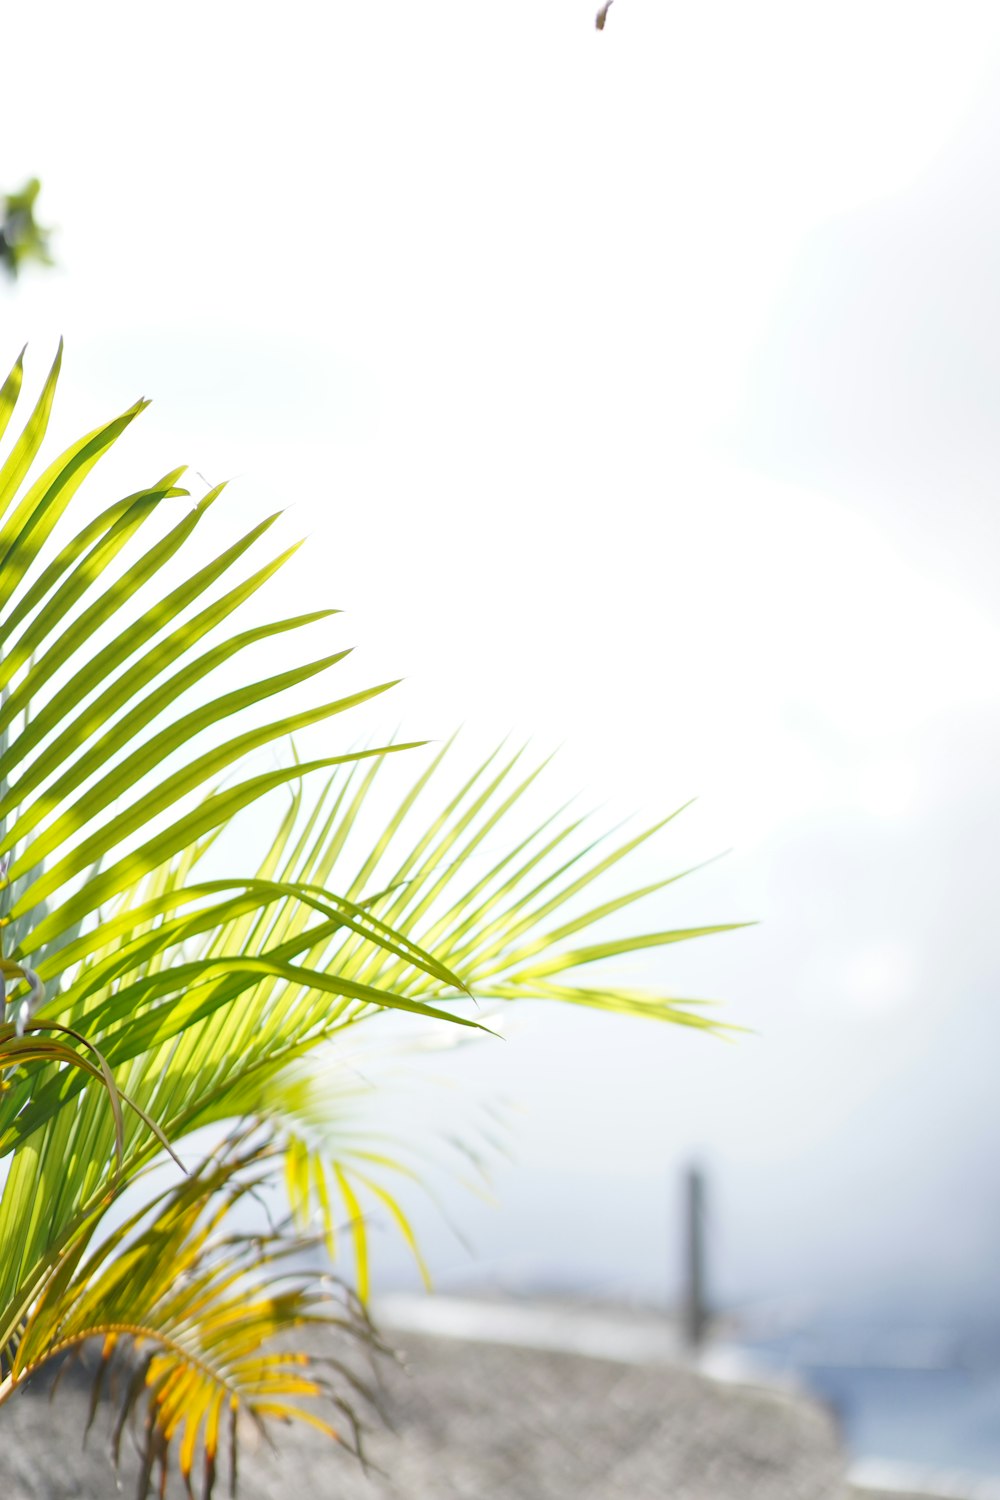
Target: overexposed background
[(637, 391)]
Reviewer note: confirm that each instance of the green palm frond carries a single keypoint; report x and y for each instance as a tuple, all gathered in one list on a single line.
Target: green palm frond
[(103, 796), (508, 930), (96, 657), (150, 998), (497, 898)]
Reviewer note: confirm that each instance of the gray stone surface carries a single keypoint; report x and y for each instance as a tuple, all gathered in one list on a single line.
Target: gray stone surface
[(474, 1421)]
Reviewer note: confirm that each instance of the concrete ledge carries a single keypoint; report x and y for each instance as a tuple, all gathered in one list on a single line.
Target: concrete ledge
[(877, 1480)]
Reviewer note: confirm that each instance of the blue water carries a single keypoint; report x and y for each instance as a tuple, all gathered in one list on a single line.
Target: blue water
[(902, 1395), (942, 1418)]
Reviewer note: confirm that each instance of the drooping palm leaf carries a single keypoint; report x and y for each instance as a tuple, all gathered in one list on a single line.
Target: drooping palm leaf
[(191, 1305)]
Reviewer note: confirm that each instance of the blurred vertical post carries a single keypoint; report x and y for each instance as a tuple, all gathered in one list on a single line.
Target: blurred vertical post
[(694, 1311)]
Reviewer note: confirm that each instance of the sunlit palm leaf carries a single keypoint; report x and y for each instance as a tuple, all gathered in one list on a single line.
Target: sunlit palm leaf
[(506, 931), (92, 666)]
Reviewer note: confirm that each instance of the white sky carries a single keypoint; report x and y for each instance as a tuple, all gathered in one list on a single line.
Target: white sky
[(527, 323)]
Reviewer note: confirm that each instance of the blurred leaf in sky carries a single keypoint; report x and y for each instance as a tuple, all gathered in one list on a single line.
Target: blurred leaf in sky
[(22, 238)]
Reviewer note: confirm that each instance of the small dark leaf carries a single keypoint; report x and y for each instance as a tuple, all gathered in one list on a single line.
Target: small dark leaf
[(22, 238)]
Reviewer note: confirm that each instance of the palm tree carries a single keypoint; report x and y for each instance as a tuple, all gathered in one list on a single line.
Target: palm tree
[(147, 997)]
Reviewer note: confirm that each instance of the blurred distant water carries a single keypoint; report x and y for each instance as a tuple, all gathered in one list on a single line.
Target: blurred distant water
[(906, 1392)]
